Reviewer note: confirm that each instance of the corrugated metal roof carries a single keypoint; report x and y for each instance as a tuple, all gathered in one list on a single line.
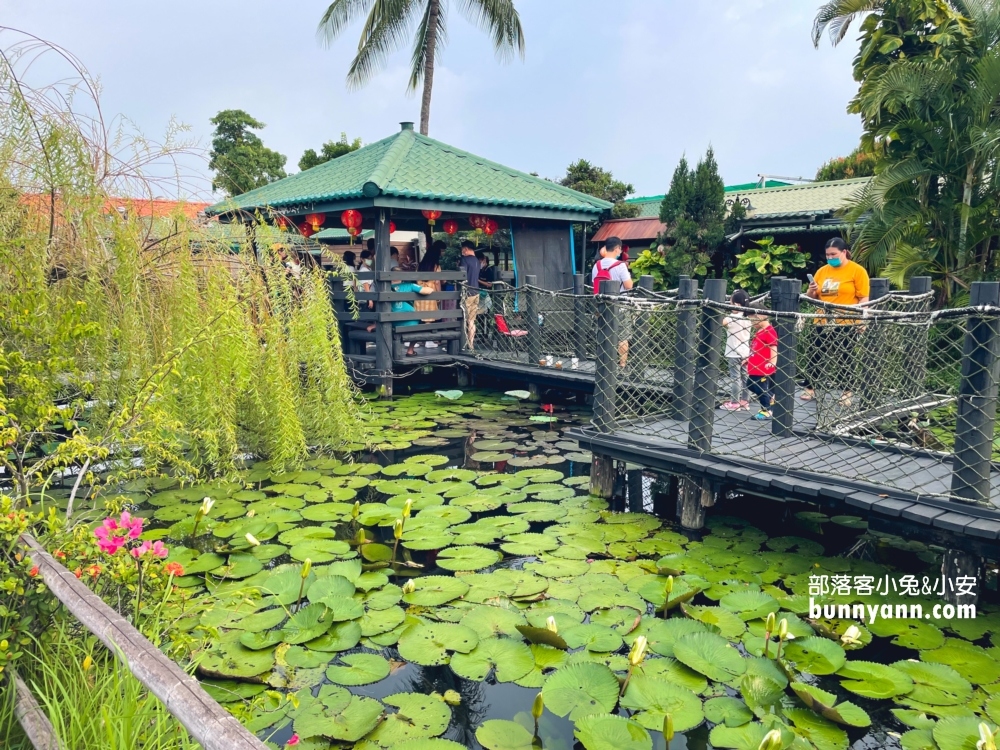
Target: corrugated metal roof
[(641, 228), (410, 165), (798, 229)]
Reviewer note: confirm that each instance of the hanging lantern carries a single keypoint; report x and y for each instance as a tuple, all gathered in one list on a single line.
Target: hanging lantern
[(450, 226), (478, 222), (431, 216), (283, 223), (392, 227), (491, 227), (351, 219), (315, 221), (306, 230)]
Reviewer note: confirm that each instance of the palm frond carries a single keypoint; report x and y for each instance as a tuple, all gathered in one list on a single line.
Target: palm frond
[(886, 181), (339, 15), (837, 15), (499, 19), (385, 30), (421, 43)]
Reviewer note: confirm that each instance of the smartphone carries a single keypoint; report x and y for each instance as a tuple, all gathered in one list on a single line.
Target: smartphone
[(811, 279)]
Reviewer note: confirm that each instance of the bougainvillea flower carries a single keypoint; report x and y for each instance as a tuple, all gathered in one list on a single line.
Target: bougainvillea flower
[(157, 549), (134, 525)]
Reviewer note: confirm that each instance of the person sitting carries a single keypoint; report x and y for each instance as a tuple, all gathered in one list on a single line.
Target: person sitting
[(350, 259), (403, 306)]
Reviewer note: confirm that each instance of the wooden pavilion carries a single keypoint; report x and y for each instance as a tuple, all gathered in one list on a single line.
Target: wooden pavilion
[(402, 181)]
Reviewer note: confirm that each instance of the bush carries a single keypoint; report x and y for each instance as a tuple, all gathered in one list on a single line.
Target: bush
[(756, 266)]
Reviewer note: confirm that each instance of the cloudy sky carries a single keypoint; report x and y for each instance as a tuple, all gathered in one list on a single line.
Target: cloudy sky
[(630, 85)]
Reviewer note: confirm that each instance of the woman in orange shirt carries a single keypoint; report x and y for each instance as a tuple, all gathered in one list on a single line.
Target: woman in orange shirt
[(841, 282)]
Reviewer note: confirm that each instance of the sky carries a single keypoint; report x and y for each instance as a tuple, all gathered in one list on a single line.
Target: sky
[(630, 85)]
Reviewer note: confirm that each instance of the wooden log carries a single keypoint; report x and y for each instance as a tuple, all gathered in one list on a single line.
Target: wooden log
[(709, 494), (692, 512), (635, 490), (602, 476), (620, 488), (206, 721), (32, 718)]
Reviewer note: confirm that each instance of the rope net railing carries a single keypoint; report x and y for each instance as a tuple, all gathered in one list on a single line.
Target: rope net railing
[(889, 394)]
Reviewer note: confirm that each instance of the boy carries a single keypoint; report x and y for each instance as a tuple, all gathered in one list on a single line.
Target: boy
[(762, 363), (609, 267)]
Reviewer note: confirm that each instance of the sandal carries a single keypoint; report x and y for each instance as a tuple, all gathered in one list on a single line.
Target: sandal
[(808, 395)]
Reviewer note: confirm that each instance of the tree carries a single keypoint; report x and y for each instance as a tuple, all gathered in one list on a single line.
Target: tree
[(600, 183), (858, 163), (330, 151), (929, 91), (694, 211), (387, 25), (239, 158)]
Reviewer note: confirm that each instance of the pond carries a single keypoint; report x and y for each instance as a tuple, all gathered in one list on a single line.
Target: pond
[(422, 595)]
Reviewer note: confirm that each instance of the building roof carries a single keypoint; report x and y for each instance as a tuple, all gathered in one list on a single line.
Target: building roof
[(640, 228), (410, 170), (649, 205), (812, 199)]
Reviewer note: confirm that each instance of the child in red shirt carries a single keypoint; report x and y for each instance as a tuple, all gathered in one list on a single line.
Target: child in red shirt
[(762, 362)]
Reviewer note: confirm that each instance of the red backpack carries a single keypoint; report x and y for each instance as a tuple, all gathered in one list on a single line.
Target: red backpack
[(603, 274)]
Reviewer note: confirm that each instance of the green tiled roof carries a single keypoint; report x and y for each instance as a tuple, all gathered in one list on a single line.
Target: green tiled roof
[(649, 205), (408, 165), (336, 234), (801, 200)]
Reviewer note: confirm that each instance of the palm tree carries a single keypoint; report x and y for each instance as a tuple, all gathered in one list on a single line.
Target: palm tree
[(389, 22)]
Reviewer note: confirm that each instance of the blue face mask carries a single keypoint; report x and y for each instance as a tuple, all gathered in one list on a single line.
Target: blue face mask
[(835, 262)]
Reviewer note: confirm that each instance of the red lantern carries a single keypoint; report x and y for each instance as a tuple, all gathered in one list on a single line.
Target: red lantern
[(315, 221), (431, 216), (282, 222), (478, 222), (392, 227), (306, 230), (351, 219), (450, 226), (491, 227)]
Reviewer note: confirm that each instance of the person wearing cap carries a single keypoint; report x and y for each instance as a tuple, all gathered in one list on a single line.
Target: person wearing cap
[(840, 282)]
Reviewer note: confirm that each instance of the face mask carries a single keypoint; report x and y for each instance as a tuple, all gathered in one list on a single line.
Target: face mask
[(368, 263), (835, 262)]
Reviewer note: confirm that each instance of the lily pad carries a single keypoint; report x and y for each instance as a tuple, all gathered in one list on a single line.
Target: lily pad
[(729, 711), (606, 732), (429, 645), (654, 699), (581, 690), (510, 659), (935, 684), (972, 662), (547, 659), (958, 733), (341, 636), (360, 669), (592, 637), (310, 622), (823, 734), (500, 734), (419, 717), (331, 718), (873, 680), (825, 704), (319, 550), (233, 660), (468, 558), (908, 633), (433, 591), (749, 605), (815, 655), (711, 655), (490, 621)]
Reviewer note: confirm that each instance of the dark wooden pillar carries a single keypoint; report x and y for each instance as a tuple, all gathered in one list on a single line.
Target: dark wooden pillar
[(602, 476), (635, 489), (706, 376), (582, 317), (785, 298), (532, 324), (602, 470), (685, 346), (383, 330)]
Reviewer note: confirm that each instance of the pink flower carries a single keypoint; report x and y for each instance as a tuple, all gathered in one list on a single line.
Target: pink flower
[(112, 535), (134, 525), (157, 549), (293, 740)]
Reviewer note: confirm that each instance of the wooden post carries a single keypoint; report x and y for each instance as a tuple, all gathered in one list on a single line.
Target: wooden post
[(915, 345), (339, 306), (635, 491), (582, 317), (463, 377), (691, 510), (706, 376), (32, 718), (532, 324), (977, 399), (383, 330), (785, 298), (685, 346), (958, 564), (602, 476), (206, 721), (877, 288), (620, 489), (920, 285), (647, 282), (665, 498), (606, 366)]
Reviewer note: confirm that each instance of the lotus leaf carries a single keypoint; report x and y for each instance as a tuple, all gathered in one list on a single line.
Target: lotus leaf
[(310, 622), (432, 591), (429, 645), (662, 635), (710, 654), (825, 704), (935, 684), (232, 659), (489, 621), (908, 633), (749, 605), (823, 734), (972, 662), (361, 669), (592, 637), (654, 699), (500, 734), (729, 625), (815, 655), (873, 680), (341, 636), (612, 733), (729, 711), (376, 622), (331, 718), (510, 659), (239, 566), (419, 717), (528, 544), (547, 658), (580, 690), (319, 550), (467, 558), (746, 737)]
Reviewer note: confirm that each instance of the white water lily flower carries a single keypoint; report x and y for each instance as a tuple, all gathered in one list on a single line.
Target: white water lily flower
[(206, 506), (551, 625), (851, 636), (638, 652), (252, 540)]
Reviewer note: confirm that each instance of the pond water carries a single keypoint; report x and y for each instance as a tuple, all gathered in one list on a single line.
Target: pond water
[(509, 580)]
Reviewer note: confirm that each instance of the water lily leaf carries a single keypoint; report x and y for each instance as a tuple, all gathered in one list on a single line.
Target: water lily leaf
[(304, 533), (538, 511), (301, 658), (818, 656), (447, 514), (261, 640), (450, 395), (543, 635), (729, 711), (428, 459), (520, 395), (749, 605), (329, 586), (429, 645), (468, 558), (490, 621), (654, 699), (451, 475), (823, 734), (419, 717), (260, 621), (746, 737), (936, 684), (663, 634), (239, 566), (329, 718), (500, 734), (358, 669), (612, 733), (234, 660), (592, 637), (710, 654), (539, 476), (673, 671), (432, 591), (319, 550), (547, 659), (580, 690), (341, 636), (510, 659), (529, 544), (873, 680), (327, 512), (373, 552), (310, 622), (231, 691), (728, 624), (972, 662), (958, 733), (908, 633), (825, 704), (478, 502)]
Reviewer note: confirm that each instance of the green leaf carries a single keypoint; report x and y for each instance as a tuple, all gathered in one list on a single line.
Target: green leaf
[(490, 621), (418, 717), (429, 645), (823, 734), (468, 558), (873, 680), (510, 659), (330, 718), (450, 395), (581, 690), (749, 605), (935, 684), (546, 659), (499, 734), (310, 622), (825, 704), (728, 711), (342, 636), (654, 699), (234, 660), (710, 654), (432, 591), (972, 662), (815, 655), (958, 733), (908, 633), (605, 732), (361, 669), (592, 637)]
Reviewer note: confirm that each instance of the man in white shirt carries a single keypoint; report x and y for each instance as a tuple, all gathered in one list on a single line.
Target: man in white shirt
[(609, 267)]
